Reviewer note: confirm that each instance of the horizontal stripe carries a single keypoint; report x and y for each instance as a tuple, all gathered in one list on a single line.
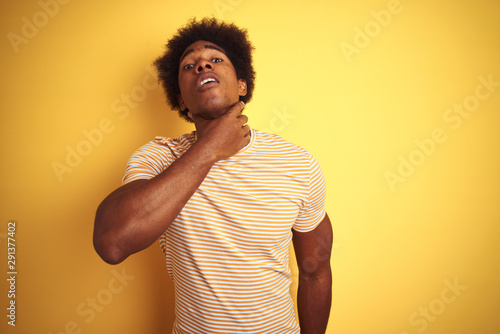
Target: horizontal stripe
[(228, 250)]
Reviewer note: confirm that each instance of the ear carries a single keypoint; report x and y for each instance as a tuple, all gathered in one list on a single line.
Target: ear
[(242, 87), (180, 101)]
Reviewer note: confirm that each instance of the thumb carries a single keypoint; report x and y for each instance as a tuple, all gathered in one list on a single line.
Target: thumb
[(237, 108)]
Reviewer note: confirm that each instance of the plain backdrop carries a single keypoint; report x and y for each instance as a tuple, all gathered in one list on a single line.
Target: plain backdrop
[(398, 101)]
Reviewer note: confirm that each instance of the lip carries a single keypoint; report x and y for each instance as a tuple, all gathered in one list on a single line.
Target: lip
[(204, 77)]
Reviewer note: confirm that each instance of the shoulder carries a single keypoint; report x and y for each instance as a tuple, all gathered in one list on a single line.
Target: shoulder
[(185, 140), (155, 156), (167, 146), (286, 154), (277, 144)]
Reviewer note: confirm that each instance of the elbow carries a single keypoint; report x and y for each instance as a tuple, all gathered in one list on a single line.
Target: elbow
[(106, 244), (108, 251), (110, 259), (105, 239), (323, 273)]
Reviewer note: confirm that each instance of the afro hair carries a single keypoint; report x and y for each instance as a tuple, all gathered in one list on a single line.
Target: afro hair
[(228, 36)]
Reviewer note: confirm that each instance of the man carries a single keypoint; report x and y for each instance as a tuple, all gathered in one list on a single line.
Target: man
[(225, 200)]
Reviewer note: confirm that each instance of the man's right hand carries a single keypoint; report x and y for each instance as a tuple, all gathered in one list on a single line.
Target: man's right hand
[(135, 215), (224, 136)]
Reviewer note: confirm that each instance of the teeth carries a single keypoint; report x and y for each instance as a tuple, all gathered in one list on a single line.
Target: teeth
[(207, 80)]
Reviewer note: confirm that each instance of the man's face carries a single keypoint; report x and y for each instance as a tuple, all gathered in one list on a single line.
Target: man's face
[(207, 80)]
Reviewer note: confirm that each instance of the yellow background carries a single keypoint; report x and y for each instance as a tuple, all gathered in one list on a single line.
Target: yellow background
[(398, 246)]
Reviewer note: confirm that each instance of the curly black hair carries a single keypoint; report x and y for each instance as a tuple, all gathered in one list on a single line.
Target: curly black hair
[(228, 36)]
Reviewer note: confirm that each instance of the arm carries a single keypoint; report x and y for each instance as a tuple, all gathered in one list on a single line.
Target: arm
[(135, 215), (313, 250)]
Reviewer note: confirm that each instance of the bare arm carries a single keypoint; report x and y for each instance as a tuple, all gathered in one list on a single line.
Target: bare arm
[(135, 215), (314, 295)]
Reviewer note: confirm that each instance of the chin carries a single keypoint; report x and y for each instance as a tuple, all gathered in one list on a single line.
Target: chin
[(215, 109)]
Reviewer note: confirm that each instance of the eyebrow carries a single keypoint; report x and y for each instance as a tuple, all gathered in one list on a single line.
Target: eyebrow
[(208, 46)]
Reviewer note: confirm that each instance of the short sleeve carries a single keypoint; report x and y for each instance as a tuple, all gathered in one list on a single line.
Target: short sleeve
[(313, 212), (148, 161)]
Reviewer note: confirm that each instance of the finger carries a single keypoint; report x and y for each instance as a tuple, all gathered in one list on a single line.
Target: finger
[(237, 108), (246, 130), (243, 119)]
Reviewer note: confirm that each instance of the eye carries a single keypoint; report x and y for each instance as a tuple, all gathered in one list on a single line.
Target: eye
[(216, 60), (188, 66)]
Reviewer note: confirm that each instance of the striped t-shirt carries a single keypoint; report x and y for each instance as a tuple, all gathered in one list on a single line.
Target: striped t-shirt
[(227, 251)]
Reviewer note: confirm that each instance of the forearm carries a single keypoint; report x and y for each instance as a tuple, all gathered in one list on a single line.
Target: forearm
[(135, 215), (132, 218), (313, 302)]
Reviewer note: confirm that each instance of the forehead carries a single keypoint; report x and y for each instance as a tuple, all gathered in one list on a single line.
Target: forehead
[(199, 46)]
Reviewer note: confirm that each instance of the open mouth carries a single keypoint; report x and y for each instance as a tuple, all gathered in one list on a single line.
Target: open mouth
[(207, 80)]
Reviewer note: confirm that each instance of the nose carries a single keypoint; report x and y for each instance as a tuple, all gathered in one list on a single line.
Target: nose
[(203, 65)]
